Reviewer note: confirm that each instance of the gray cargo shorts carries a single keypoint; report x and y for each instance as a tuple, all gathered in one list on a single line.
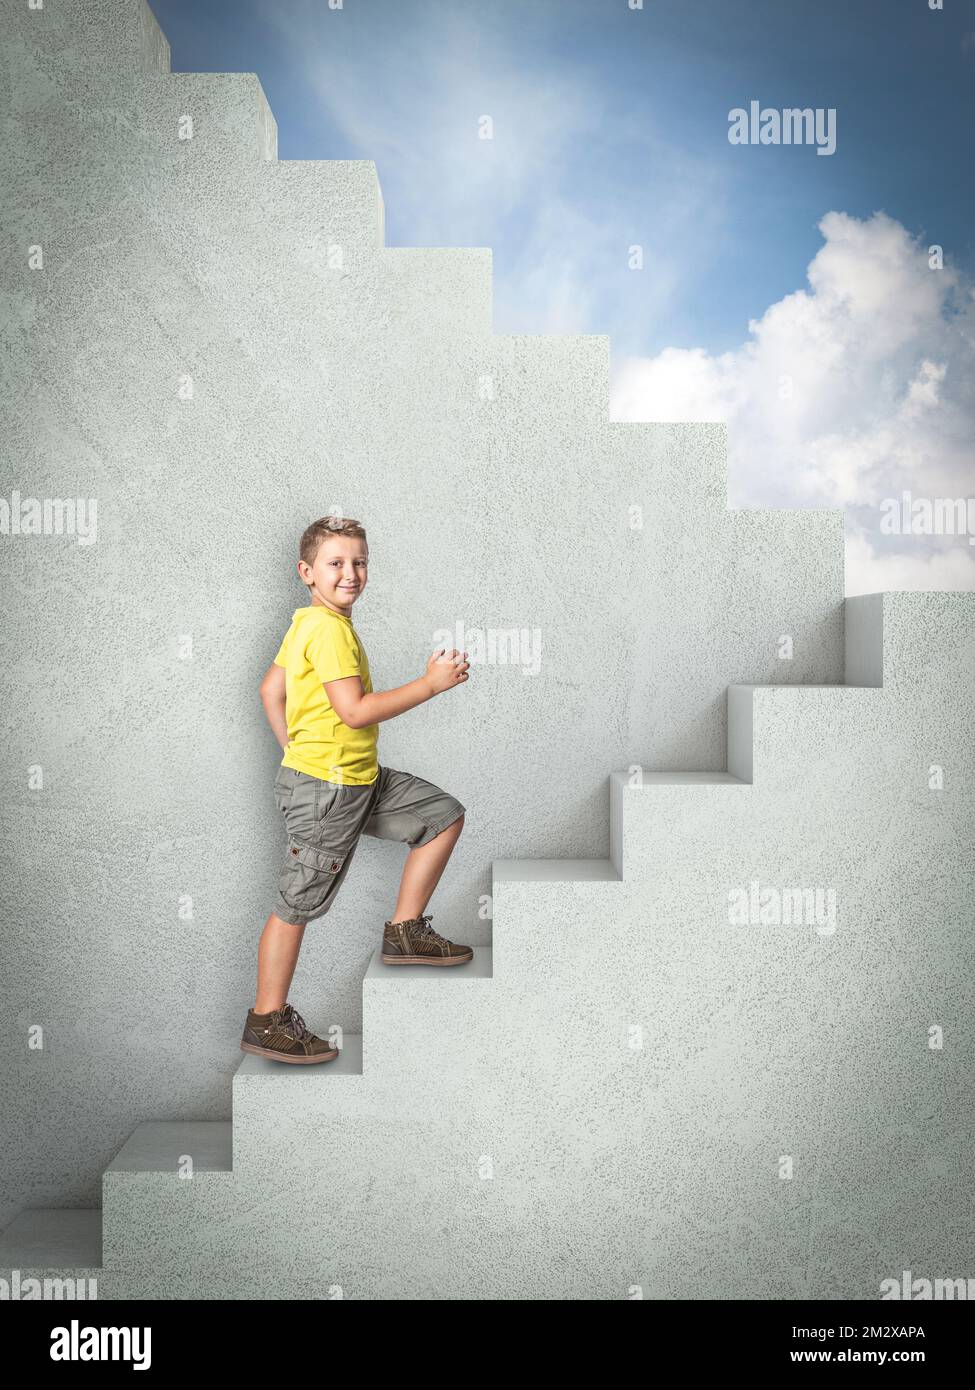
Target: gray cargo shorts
[(325, 819)]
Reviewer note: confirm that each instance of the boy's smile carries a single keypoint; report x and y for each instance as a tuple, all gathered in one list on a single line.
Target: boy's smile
[(338, 574)]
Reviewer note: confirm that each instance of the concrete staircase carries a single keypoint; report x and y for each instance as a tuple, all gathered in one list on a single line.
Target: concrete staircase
[(623, 1093), (606, 1101)]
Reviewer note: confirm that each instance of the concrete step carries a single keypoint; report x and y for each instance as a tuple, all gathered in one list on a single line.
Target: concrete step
[(168, 1177), (772, 728), (138, 123), (305, 207), (71, 1241), (553, 870), (121, 34), (410, 1013), (624, 785), (164, 1146), (263, 1090), (312, 222), (57, 1240)]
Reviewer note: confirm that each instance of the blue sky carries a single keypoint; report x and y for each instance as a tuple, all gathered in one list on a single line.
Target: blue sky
[(647, 97), (611, 129)]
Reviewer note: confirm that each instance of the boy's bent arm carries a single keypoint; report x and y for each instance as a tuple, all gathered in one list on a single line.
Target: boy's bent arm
[(358, 710), (274, 699)]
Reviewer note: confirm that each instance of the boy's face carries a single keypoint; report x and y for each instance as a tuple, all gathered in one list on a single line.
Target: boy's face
[(338, 574)]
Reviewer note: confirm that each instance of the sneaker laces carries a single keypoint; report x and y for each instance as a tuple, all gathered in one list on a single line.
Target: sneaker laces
[(423, 928), (291, 1018)]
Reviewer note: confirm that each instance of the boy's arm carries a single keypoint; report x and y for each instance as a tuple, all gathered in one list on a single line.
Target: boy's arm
[(357, 709), (274, 699)]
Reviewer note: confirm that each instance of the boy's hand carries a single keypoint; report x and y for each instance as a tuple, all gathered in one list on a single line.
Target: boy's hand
[(446, 669)]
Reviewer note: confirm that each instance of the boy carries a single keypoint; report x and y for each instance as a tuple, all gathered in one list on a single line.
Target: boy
[(330, 788)]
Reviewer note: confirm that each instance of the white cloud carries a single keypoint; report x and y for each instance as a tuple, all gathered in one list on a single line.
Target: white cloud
[(870, 573), (844, 394), (855, 390)]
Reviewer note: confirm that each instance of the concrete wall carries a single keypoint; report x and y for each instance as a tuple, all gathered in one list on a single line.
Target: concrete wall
[(629, 1094), (326, 371)]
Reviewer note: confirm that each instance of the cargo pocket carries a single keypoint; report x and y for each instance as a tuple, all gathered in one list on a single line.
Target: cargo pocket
[(283, 787), (308, 876)]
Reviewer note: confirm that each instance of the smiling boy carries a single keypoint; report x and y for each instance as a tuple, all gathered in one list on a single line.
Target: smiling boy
[(331, 788)]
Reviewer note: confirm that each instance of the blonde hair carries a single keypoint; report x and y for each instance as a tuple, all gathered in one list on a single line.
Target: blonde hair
[(321, 529)]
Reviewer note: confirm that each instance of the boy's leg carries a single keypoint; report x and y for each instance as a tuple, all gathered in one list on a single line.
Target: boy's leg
[(277, 956), (322, 820), (428, 819), (422, 871)]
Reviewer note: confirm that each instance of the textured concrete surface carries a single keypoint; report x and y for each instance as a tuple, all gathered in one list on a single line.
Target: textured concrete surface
[(629, 1091), (329, 371)]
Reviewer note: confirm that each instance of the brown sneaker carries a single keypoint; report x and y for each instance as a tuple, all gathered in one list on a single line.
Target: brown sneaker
[(283, 1036), (414, 942)]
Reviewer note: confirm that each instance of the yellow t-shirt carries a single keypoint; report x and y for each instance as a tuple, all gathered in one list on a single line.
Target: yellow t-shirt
[(323, 646)]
